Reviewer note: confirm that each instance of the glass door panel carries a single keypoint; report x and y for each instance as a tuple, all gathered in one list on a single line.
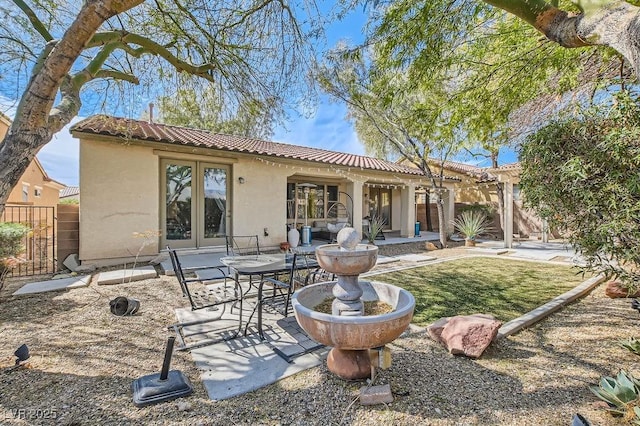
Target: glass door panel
[(178, 211), (380, 204), (213, 221)]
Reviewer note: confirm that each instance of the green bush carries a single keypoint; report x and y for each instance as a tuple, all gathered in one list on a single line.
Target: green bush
[(581, 174), (11, 238), (484, 209), (70, 201)]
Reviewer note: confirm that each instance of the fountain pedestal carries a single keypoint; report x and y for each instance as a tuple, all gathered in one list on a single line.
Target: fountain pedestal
[(349, 364), (347, 329)]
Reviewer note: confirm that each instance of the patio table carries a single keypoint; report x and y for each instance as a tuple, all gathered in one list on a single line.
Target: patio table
[(261, 264)]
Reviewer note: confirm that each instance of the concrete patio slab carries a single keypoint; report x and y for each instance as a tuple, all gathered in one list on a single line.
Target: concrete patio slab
[(193, 262), (54, 285), (237, 366), (126, 275)]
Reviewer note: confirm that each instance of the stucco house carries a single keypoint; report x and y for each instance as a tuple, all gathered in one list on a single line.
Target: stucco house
[(192, 187)]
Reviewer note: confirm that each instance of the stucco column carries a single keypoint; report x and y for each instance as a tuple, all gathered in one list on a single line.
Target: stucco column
[(508, 214), (354, 189), (449, 200), (408, 211)]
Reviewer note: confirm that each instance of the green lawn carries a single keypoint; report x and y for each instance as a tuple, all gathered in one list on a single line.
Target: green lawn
[(503, 288)]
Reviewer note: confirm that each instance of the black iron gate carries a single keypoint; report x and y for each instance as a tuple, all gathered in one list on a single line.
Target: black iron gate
[(40, 242)]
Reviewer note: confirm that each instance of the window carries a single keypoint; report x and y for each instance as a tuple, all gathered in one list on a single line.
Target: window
[(37, 192), (25, 193), (321, 199)]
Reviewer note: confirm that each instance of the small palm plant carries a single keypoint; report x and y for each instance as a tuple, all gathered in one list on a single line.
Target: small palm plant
[(471, 224), (622, 393)]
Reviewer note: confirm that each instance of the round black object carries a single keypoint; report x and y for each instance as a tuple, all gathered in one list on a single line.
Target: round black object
[(121, 306)]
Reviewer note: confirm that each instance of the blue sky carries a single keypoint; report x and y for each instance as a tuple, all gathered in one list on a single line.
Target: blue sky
[(326, 129)]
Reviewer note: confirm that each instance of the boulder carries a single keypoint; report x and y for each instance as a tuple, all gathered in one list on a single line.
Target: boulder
[(615, 290), (467, 335), (435, 329)]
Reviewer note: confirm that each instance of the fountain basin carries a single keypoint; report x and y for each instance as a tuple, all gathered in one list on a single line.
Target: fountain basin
[(347, 262), (354, 332)]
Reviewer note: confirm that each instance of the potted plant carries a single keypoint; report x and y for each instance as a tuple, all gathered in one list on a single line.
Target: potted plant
[(471, 224)]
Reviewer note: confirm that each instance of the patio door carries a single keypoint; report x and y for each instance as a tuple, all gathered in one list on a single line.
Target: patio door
[(381, 204), (194, 203)]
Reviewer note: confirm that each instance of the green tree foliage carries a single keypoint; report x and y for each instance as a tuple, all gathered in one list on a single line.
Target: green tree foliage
[(56, 55), (394, 118), (581, 173), (205, 108)]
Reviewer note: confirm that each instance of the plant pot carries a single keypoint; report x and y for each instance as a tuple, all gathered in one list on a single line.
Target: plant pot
[(294, 237), (468, 242)]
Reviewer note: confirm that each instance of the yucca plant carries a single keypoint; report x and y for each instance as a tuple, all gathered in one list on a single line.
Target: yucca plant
[(471, 224), (376, 223), (622, 393)]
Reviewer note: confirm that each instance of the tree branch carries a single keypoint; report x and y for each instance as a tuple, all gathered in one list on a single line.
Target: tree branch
[(35, 21), (148, 46)]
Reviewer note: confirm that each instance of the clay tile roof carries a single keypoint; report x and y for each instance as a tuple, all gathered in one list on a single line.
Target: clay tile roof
[(69, 191), (154, 132), (462, 167)]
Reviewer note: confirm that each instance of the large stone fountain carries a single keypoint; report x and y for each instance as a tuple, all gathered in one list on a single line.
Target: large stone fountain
[(347, 329)]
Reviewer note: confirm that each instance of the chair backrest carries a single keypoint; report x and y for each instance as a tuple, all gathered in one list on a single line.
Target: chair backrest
[(318, 275), (177, 269), (238, 245)]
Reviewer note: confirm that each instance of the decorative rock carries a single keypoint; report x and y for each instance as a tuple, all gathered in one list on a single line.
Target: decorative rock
[(432, 246), (435, 329), (615, 290), (373, 395), (348, 238), (468, 335)]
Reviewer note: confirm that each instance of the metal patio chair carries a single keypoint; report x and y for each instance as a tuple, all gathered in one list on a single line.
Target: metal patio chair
[(211, 297)]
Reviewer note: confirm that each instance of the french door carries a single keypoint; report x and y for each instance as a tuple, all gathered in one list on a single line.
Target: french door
[(194, 211), (381, 205)]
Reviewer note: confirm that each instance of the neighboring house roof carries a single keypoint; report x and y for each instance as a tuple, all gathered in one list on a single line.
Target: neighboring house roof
[(6, 120), (154, 132), (45, 176), (69, 191)]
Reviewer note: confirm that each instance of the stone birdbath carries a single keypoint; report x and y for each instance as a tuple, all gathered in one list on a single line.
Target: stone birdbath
[(347, 329)]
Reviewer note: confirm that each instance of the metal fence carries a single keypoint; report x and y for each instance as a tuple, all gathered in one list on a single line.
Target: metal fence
[(39, 242)]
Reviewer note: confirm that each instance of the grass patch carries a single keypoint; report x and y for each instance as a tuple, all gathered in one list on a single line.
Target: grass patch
[(503, 288)]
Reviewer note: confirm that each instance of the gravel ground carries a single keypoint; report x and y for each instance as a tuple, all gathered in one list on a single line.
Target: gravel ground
[(84, 360)]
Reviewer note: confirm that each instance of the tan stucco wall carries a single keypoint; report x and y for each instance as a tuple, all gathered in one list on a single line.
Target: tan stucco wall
[(261, 202), (120, 196), (50, 192)]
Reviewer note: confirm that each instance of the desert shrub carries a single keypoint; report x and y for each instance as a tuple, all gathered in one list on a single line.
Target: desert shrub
[(11, 245), (581, 174)]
